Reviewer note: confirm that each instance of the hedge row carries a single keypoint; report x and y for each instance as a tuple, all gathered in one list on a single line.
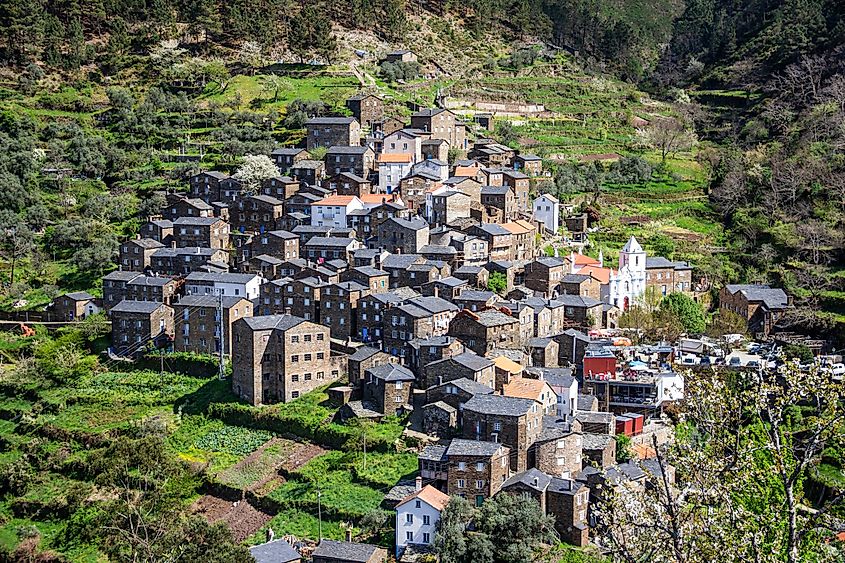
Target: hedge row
[(325, 433), (184, 363)]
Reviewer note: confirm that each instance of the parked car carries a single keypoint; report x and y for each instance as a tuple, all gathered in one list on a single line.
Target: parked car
[(705, 361), (735, 361)]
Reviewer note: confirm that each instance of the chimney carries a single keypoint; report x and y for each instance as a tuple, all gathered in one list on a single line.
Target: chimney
[(172, 244), (349, 534), (436, 291), (287, 310), (534, 481), (418, 483)]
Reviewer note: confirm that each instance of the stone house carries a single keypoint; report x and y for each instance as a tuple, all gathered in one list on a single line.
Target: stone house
[(544, 352), (523, 240), (484, 331), (339, 304), (413, 188), (531, 483), (557, 451), (514, 422), (322, 249), (160, 230), (474, 275), (161, 289), (206, 232), (600, 449), (535, 389), (371, 311), (181, 261), (404, 236), (388, 386), (206, 185), (449, 206), (397, 265), (356, 159), (114, 287), (135, 324), (308, 172), (499, 202), (476, 299), (375, 280), (498, 240), (530, 164), (572, 347), (197, 326), (442, 124), (490, 153), (420, 352), (347, 183), (330, 551), (366, 108), (521, 186), (279, 243), (73, 306), (583, 311), (256, 213), (580, 284), (466, 365), (285, 158), (332, 131), (364, 358), (448, 288), (280, 357), (455, 394), (545, 275), (401, 56), (300, 297), (568, 500), (435, 149), (420, 317), (476, 470), (136, 254), (761, 305), (668, 276), (280, 187)]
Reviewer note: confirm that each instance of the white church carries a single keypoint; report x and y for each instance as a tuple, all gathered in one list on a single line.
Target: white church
[(628, 283)]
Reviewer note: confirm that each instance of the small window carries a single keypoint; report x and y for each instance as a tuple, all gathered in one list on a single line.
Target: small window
[(294, 339), (409, 518), (294, 395)]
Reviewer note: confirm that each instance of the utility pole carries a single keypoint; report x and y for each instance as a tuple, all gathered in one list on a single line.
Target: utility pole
[(365, 447), (320, 513), (220, 360)]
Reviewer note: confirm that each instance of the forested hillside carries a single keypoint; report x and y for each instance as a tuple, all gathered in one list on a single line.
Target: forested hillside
[(770, 78)]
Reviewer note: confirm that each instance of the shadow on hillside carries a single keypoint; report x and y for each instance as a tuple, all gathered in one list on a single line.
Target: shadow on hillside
[(215, 391)]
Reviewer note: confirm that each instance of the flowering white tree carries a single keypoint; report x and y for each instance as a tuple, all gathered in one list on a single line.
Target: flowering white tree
[(746, 444), (255, 169)]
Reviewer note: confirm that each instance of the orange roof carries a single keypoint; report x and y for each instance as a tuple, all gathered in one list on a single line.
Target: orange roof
[(430, 495), (584, 260), (376, 198), (524, 388), (335, 200), (507, 364), (518, 227), (468, 171), (596, 271), (643, 452), (434, 188), (400, 157)]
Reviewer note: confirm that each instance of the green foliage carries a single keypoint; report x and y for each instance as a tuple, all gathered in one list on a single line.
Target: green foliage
[(798, 351), (233, 440), (687, 311), (623, 448), (497, 282), (508, 528), (399, 70)]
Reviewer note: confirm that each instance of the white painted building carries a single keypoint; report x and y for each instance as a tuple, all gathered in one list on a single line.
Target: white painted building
[(547, 210), (332, 211), (391, 169), (417, 516), (628, 283), (404, 141), (230, 284)]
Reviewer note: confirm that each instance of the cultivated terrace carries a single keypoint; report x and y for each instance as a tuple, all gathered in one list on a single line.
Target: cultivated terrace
[(365, 282)]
